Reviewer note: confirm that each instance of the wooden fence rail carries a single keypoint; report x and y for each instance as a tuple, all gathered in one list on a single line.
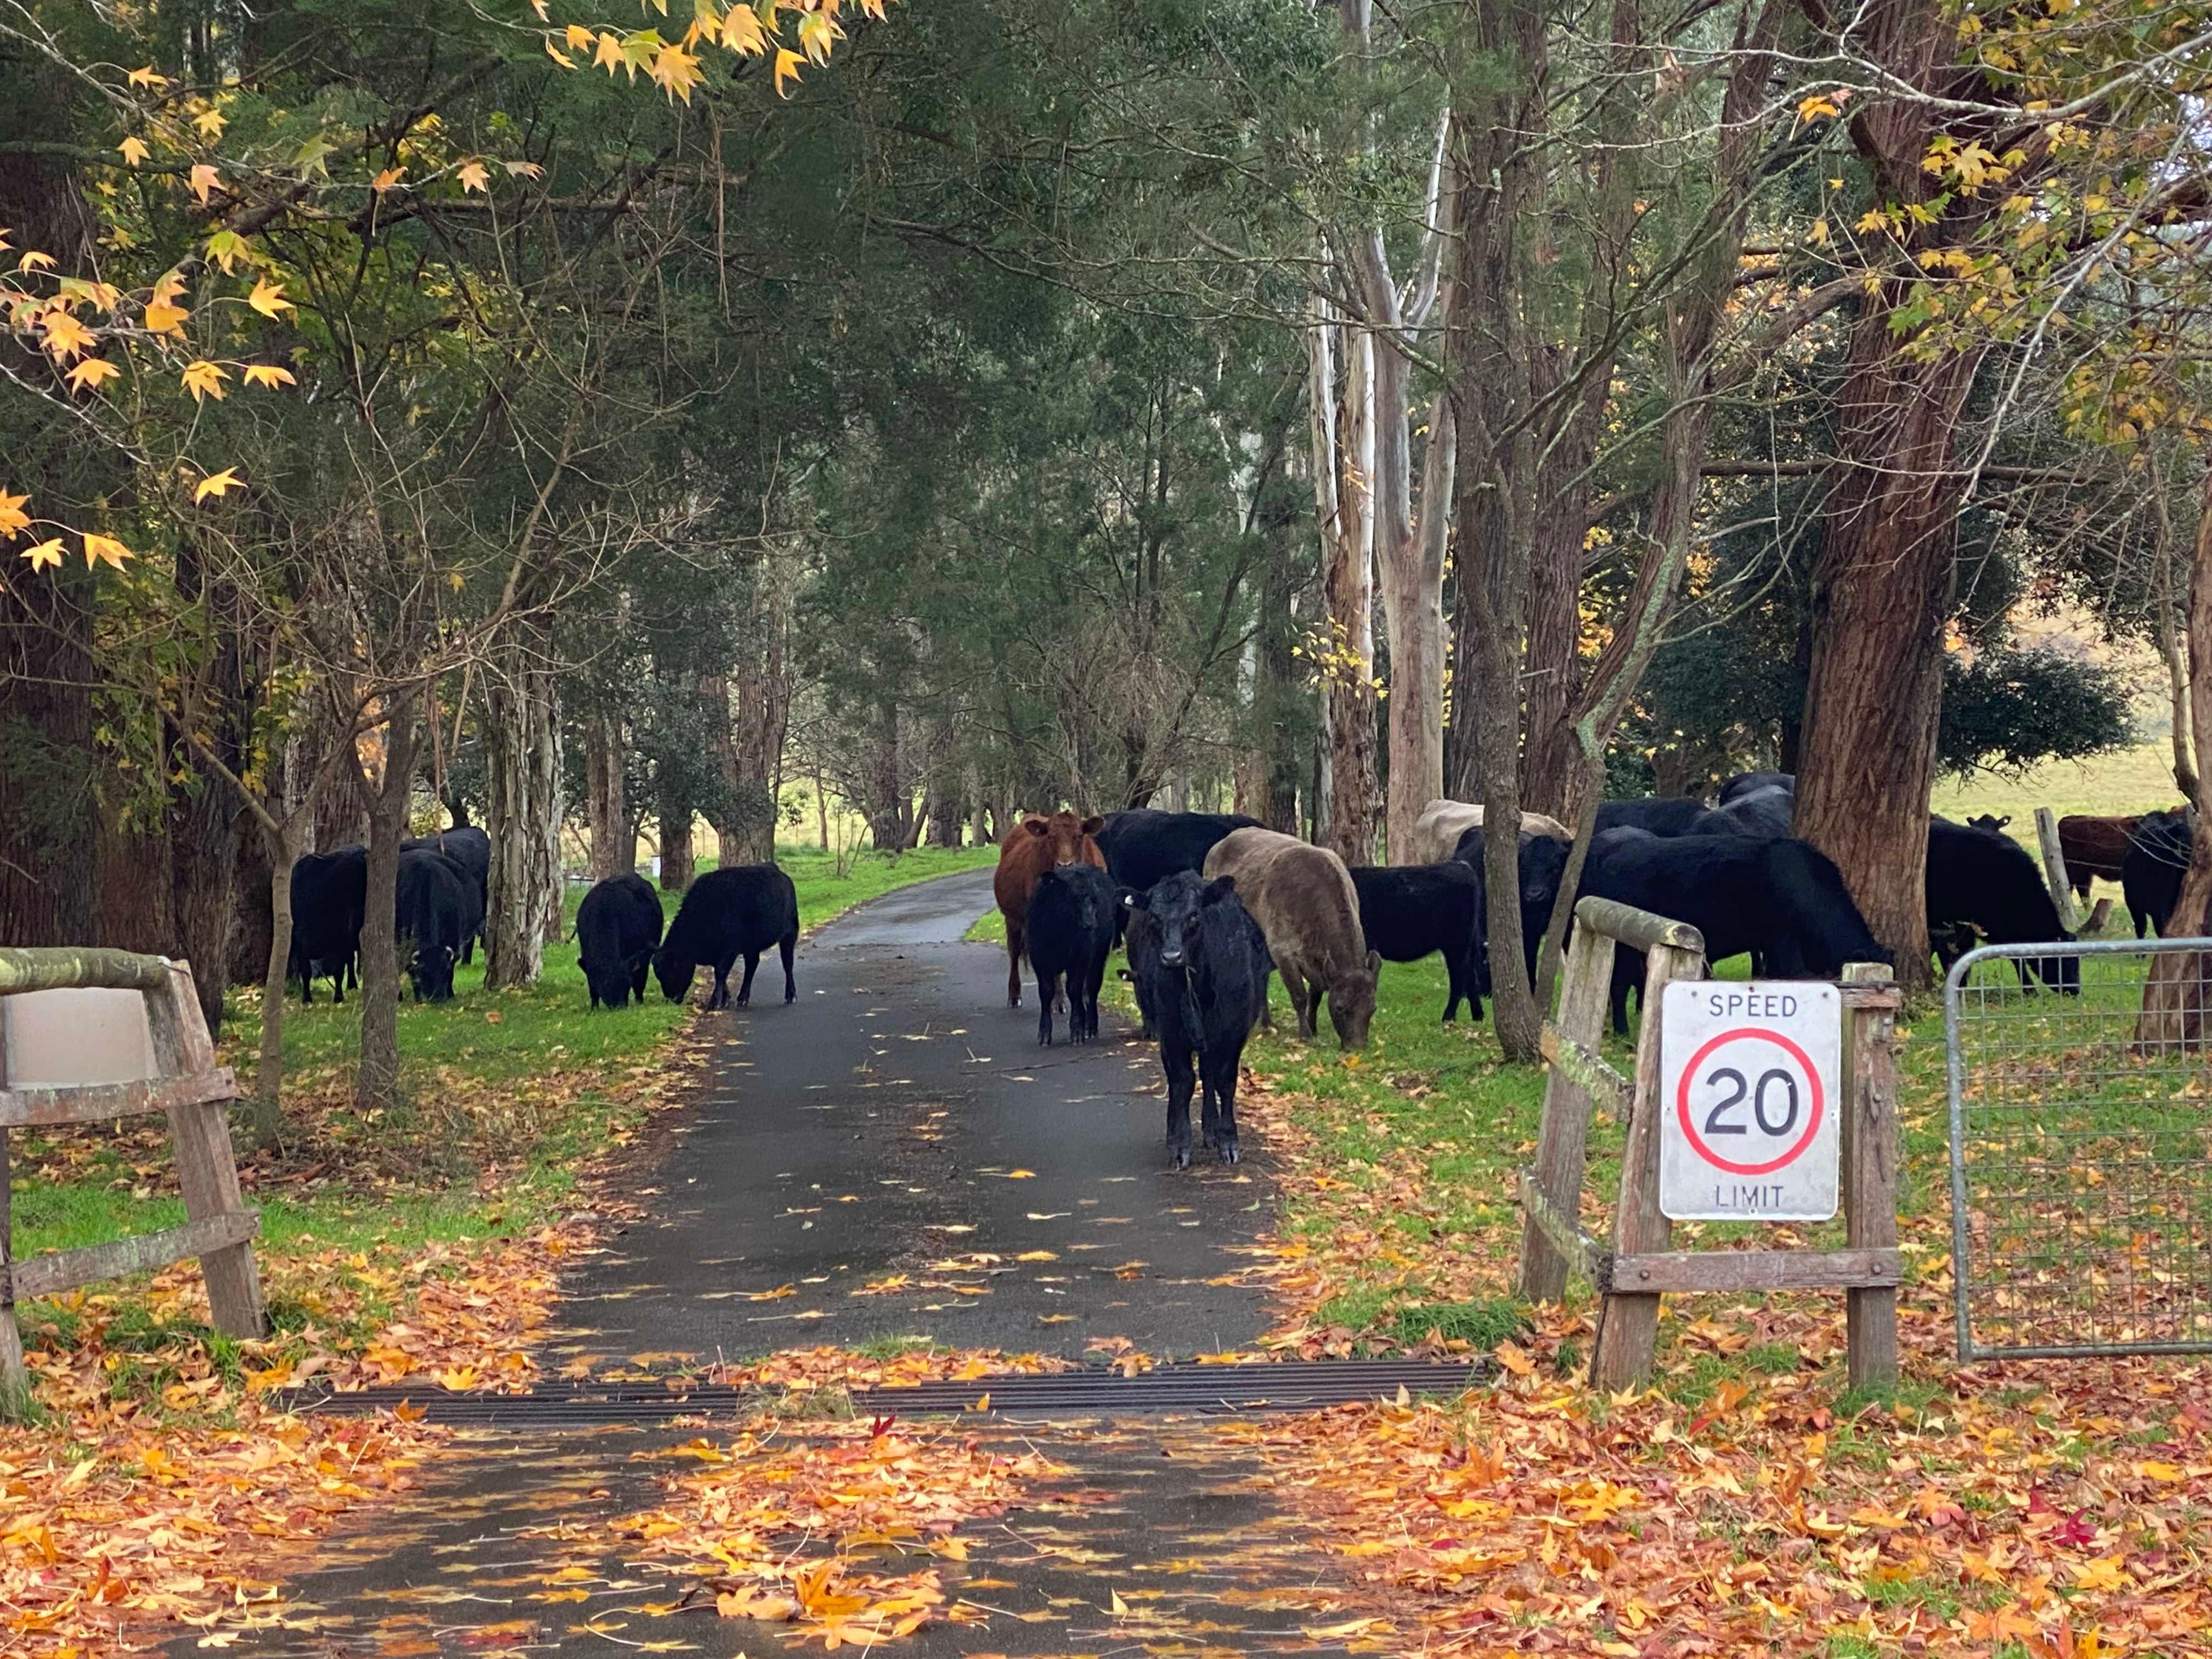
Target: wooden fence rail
[(194, 1093)]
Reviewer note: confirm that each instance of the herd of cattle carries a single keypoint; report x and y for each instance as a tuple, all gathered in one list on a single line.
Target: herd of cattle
[(1210, 904)]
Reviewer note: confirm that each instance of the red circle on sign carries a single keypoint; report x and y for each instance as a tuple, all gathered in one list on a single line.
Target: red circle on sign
[(1689, 1072)]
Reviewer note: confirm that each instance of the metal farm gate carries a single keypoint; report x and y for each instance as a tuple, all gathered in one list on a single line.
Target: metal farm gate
[(2081, 1149)]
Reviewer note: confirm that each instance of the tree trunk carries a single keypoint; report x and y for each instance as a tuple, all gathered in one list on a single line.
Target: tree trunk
[(2177, 1007), (1344, 470), (2172, 648), (1882, 589), (1552, 762), (1413, 563), (279, 852), (376, 1083), (522, 816), (678, 863), (614, 843)]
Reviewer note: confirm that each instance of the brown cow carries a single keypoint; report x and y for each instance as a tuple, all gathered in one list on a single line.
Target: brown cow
[(2094, 847), (1303, 900), (1032, 847)]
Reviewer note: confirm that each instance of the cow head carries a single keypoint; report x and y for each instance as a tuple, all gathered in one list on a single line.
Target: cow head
[(1985, 821), (1066, 837), (431, 972), (610, 982), (674, 970), (1174, 906), (1352, 1002)]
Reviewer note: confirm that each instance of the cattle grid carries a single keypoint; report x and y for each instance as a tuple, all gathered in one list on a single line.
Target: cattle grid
[(2080, 1154)]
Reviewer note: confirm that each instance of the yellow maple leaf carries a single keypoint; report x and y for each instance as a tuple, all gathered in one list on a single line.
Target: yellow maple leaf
[(97, 548), (66, 338), (210, 122), (270, 376), (203, 179), (474, 175), (742, 31), (34, 260), (609, 56), (134, 150), (268, 298), (676, 72), (203, 379), (557, 55), (13, 520), (579, 37), (147, 77), (89, 375), (815, 31), (162, 318), (1818, 106), (216, 484), (46, 555), (787, 68)]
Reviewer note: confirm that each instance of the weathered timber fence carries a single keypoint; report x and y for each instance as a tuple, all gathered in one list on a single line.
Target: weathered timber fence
[(1631, 1273), (195, 1092)]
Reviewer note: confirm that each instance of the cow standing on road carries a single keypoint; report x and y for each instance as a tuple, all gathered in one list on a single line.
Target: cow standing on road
[(1070, 934), (736, 912), (1205, 964), (1032, 847)]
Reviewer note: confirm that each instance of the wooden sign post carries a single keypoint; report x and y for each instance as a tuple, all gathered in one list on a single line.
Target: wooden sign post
[(1639, 1267)]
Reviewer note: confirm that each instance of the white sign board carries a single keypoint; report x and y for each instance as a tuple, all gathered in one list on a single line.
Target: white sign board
[(1751, 1099)]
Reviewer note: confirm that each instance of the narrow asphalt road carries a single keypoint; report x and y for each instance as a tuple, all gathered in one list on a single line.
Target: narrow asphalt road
[(894, 1154)]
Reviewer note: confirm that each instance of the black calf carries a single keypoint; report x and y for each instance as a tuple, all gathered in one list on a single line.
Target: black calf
[(728, 913), (1203, 965), (329, 895), (1410, 911), (1070, 931), (436, 912)]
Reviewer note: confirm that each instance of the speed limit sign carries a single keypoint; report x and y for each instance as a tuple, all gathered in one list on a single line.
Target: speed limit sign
[(1750, 1096)]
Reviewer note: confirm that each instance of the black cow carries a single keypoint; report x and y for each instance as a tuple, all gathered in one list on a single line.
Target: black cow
[(1989, 820), (728, 913), (1988, 882), (1768, 812), (1409, 911), (1070, 931), (618, 925), (329, 895), (1780, 899), (1543, 866), (2151, 870), (469, 847), (1663, 815), (1203, 964), (436, 910), (1744, 782), (1144, 848)]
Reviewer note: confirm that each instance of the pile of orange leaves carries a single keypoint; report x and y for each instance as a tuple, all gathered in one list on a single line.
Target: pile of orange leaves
[(830, 1532), (2054, 1512)]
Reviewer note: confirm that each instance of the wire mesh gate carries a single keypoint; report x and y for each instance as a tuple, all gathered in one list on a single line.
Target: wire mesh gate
[(2081, 1151)]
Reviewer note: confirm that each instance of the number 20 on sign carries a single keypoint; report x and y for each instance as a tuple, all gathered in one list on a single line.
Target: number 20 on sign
[(1750, 1097)]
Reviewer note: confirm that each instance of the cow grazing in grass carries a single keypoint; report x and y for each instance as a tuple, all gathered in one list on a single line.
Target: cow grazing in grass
[(1203, 964), (1304, 902), (329, 895), (2151, 873), (470, 848), (436, 912), (736, 912), (1408, 912), (1070, 934), (1033, 846), (1781, 899), (1990, 883), (617, 927), (1438, 830)]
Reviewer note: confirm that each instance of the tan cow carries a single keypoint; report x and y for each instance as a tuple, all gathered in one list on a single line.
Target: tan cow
[(1303, 898), (1437, 831)]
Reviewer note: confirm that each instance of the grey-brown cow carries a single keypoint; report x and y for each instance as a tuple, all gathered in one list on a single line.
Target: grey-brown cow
[(1303, 898)]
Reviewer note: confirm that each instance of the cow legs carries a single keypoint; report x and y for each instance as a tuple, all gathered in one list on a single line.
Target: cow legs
[(637, 980), (720, 997), (1221, 1103), (1296, 985), (1013, 964), (1456, 972), (1175, 1061), (1047, 994), (785, 947), (745, 990)]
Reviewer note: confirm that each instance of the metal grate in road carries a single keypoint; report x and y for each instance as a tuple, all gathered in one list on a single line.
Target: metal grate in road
[(1293, 1385)]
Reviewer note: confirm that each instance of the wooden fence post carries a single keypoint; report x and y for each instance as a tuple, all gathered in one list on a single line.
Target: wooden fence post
[(1869, 1154), (1628, 1321), (14, 1381), (1562, 1138), (205, 1166), (2054, 869)]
